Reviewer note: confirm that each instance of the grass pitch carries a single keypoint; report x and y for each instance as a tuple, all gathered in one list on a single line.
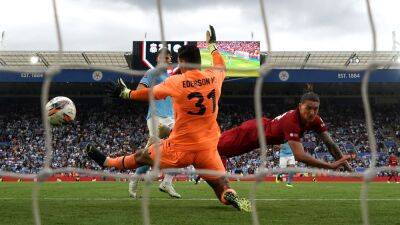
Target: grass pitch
[(108, 203)]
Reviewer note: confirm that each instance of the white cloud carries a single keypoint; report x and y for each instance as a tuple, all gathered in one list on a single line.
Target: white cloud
[(113, 25)]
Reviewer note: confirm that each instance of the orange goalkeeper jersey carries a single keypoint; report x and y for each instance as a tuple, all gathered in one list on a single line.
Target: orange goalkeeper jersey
[(195, 95)]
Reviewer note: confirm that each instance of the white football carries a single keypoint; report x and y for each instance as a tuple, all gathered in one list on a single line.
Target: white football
[(60, 110)]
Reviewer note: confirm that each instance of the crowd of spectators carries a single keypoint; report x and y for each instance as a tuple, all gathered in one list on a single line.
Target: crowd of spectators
[(118, 129), (347, 129), (252, 48)]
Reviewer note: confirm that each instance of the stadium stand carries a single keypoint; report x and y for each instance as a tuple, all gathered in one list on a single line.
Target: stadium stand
[(22, 144)]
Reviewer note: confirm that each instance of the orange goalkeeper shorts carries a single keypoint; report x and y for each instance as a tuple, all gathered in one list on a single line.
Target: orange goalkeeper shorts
[(204, 159)]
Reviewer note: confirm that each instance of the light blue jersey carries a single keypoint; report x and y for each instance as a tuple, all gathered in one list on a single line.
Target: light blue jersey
[(285, 151), (163, 107)]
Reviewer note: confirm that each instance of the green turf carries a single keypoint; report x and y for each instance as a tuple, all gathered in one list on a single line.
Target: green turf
[(234, 64), (107, 203)]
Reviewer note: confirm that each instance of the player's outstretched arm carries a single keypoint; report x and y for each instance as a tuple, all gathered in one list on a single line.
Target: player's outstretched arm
[(140, 87), (120, 90), (211, 40), (334, 149), (302, 156)]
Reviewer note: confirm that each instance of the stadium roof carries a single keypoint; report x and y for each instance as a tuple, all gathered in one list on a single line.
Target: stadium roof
[(26, 59), (349, 59)]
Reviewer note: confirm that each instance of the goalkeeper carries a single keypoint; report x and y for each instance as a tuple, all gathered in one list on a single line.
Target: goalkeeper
[(165, 119), (194, 138)]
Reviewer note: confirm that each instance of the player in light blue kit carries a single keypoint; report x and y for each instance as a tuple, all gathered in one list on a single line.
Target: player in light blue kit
[(286, 159), (165, 120)]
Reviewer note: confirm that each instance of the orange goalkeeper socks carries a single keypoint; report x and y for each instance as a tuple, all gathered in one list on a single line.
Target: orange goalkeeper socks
[(123, 162)]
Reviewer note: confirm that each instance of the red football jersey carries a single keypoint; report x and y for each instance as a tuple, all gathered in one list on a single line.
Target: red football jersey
[(288, 126), (393, 160)]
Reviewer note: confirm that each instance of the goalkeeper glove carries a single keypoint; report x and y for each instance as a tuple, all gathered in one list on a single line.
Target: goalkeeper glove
[(211, 40), (119, 89)]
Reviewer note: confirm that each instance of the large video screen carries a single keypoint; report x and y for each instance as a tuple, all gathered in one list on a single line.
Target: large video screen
[(238, 55)]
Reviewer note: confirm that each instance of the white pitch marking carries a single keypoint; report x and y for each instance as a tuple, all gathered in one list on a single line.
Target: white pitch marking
[(203, 199)]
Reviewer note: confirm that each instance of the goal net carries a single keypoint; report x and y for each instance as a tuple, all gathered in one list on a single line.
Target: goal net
[(263, 171)]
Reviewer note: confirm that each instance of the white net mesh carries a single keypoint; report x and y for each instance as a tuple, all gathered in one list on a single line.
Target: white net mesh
[(262, 172)]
